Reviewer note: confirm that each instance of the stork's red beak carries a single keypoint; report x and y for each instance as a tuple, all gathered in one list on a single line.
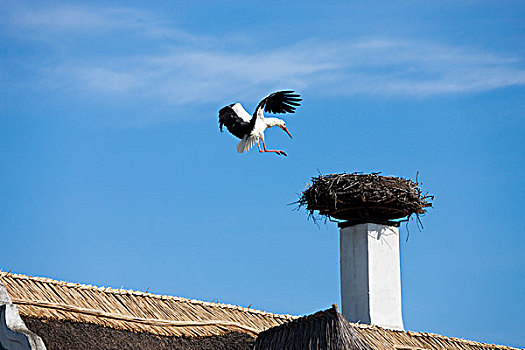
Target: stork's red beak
[(286, 130)]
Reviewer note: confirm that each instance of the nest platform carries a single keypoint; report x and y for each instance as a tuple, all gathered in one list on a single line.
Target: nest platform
[(360, 198)]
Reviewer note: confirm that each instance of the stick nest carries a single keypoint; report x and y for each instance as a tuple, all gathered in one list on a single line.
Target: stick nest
[(364, 197)]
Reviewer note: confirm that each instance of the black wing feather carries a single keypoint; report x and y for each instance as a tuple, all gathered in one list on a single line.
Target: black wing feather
[(235, 124), (280, 102)]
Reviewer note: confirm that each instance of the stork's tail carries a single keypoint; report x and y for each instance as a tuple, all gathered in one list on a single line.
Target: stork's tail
[(246, 143)]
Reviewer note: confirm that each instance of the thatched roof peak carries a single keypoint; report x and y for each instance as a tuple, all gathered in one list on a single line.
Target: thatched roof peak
[(323, 330)]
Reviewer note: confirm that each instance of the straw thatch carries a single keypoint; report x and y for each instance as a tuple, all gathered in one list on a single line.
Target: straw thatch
[(383, 339), (162, 315), (60, 335), (324, 330), (329, 330), (364, 197), (114, 314)]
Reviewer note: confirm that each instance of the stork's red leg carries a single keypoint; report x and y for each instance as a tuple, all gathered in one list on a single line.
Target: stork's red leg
[(279, 152)]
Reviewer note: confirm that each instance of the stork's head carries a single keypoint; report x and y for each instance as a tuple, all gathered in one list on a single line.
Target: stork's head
[(277, 122)]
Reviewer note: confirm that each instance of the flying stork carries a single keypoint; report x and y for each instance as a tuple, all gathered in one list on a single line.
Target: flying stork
[(251, 128)]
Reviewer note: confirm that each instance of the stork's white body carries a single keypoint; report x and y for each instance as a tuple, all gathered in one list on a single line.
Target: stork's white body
[(261, 124)]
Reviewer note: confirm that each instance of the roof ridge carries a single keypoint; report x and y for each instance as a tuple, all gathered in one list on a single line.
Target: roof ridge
[(118, 316), (428, 334), (144, 294)]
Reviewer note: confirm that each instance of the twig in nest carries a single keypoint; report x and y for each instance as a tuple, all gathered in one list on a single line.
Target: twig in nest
[(364, 197)]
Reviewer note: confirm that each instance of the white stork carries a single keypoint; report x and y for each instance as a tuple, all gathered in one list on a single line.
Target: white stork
[(251, 128)]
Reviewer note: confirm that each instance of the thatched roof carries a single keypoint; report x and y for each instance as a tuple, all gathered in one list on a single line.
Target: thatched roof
[(383, 339), (327, 330), (130, 310), (112, 314), (364, 197), (324, 330), (60, 335)]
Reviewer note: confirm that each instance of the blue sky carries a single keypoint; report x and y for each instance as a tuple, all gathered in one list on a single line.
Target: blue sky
[(114, 173)]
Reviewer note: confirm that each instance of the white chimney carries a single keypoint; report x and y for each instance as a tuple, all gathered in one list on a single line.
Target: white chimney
[(371, 275)]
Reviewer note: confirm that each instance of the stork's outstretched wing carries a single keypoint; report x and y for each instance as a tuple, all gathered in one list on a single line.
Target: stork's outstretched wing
[(280, 102), (236, 120)]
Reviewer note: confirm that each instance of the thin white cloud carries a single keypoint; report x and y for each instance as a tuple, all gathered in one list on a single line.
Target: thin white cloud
[(74, 18), (345, 69), (105, 80), (70, 20), (182, 72)]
